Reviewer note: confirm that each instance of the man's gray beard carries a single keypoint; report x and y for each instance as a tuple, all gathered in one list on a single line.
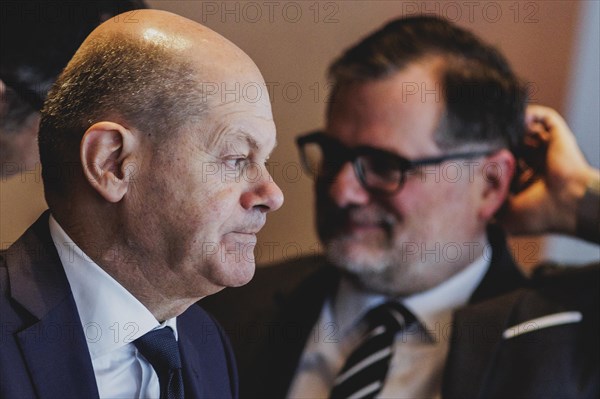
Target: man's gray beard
[(378, 274)]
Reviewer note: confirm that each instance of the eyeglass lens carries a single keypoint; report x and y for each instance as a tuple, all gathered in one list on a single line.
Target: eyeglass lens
[(375, 171)]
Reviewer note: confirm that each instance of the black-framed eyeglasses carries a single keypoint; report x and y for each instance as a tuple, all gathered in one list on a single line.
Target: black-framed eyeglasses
[(379, 171)]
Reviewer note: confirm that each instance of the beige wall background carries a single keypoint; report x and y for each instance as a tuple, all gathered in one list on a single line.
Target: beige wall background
[(293, 42)]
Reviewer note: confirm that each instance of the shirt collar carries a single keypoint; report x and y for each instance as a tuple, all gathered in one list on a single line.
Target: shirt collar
[(436, 305), (433, 308), (351, 304), (110, 315)]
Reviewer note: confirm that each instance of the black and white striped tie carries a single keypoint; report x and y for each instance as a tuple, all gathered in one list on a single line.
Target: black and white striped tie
[(365, 370)]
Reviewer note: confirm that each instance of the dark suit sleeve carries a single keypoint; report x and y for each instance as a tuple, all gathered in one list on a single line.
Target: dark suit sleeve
[(14, 378)]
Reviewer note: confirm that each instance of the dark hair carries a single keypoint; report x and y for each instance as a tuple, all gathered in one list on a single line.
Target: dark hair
[(39, 37), (485, 101), (137, 83)]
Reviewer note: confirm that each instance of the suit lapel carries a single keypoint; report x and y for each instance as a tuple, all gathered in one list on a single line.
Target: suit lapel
[(57, 356), (53, 344), (207, 359), (476, 340), (478, 327), (190, 359)]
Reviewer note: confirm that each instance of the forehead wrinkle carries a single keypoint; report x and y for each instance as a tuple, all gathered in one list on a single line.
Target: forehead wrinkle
[(231, 136), (219, 104)]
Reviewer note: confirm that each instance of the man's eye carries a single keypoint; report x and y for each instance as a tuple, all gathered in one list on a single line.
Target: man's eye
[(236, 162)]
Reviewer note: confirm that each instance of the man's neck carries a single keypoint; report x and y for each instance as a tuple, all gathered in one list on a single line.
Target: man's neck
[(138, 273)]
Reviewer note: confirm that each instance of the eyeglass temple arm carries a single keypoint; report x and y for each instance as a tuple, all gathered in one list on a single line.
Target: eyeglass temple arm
[(443, 158)]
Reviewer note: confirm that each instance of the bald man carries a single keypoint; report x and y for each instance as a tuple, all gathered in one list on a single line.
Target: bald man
[(147, 177)]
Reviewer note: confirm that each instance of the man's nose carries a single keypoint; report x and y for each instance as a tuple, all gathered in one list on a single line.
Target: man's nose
[(345, 188), (265, 194)]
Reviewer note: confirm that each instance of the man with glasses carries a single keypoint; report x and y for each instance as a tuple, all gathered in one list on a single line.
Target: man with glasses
[(417, 295)]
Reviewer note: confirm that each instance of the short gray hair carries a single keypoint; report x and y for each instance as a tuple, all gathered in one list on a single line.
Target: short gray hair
[(139, 84)]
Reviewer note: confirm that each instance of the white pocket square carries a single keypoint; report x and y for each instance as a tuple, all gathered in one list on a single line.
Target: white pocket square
[(550, 320)]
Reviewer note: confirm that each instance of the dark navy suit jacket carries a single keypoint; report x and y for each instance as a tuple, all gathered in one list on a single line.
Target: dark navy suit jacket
[(43, 349)]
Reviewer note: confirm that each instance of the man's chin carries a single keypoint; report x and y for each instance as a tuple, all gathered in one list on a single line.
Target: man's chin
[(369, 278), (233, 274), (244, 274), (355, 257)]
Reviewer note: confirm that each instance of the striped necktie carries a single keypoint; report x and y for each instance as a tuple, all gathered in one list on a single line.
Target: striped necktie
[(365, 370)]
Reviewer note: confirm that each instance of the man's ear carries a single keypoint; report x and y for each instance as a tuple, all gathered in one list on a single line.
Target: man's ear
[(497, 170), (106, 151)]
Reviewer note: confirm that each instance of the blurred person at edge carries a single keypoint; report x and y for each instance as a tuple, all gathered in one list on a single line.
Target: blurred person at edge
[(37, 40), (470, 324)]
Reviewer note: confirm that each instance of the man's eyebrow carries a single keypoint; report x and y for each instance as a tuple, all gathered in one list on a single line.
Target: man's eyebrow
[(249, 139), (226, 136), (241, 136), (230, 137), (252, 143)]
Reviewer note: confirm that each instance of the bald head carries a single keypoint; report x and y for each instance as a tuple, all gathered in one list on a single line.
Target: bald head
[(184, 39), (147, 75)]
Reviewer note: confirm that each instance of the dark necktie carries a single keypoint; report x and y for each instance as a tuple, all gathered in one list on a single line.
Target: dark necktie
[(160, 348), (366, 368)]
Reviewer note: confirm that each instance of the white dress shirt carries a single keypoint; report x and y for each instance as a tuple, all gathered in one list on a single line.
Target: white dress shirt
[(420, 352), (112, 319)]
